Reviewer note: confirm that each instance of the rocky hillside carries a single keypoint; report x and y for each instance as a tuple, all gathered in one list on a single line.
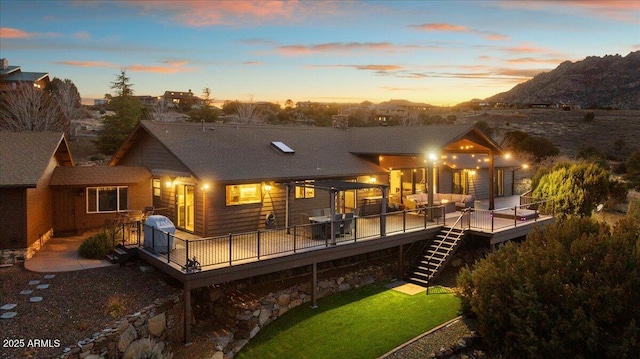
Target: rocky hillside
[(609, 81)]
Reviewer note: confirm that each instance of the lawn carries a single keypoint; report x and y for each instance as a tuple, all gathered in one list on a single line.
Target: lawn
[(361, 323)]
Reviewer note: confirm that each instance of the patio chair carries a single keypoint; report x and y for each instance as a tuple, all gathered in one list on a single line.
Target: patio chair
[(316, 213), (338, 223), (347, 224), (327, 211)]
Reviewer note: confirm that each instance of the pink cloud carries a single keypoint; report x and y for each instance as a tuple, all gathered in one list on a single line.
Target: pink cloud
[(444, 27), (622, 10), (11, 33), (533, 60), (170, 67), (210, 13), (526, 48)]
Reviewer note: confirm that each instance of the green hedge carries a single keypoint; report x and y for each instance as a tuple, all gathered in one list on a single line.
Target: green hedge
[(96, 246)]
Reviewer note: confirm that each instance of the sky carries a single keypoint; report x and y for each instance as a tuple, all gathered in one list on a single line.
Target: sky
[(436, 52)]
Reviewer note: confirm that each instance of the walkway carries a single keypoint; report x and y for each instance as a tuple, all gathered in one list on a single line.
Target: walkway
[(60, 254)]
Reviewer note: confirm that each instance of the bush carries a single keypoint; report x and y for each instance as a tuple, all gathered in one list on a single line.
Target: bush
[(97, 246), (569, 291)]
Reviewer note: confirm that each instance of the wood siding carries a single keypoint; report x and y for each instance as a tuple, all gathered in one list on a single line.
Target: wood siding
[(40, 206), (150, 153)]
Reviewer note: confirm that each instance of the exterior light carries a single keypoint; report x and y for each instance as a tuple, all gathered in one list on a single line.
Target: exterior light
[(525, 166), (433, 157), (372, 179), (267, 188), (205, 187), (507, 155), (168, 184)]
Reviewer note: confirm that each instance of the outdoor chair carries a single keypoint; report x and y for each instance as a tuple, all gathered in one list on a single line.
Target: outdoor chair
[(347, 224), (327, 211), (316, 213), (338, 224)]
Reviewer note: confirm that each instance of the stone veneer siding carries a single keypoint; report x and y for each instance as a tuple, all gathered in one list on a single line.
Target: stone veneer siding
[(12, 256), (152, 328)]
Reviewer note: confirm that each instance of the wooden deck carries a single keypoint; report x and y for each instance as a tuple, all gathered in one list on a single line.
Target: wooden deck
[(239, 249)]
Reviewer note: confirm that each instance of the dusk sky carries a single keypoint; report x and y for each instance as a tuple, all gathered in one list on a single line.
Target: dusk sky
[(437, 52)]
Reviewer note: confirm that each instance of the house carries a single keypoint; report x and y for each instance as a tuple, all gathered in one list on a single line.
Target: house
[(215, 180), (27, 163), (184, 99), (12, 77)]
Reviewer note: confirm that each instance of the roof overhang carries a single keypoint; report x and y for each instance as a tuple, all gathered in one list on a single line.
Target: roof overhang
[(338, 186)]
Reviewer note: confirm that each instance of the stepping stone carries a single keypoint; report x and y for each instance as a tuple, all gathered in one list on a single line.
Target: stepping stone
[(43, 286), (8, 315), (26, 292), (49, 276), (34, 282), (35, 299), (8, 306)]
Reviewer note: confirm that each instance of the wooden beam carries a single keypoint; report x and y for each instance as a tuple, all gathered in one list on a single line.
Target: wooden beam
[(186, 291), (314, 286)]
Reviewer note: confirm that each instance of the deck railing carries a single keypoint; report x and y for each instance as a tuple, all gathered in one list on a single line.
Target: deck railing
[(504, 217), (238, 248)]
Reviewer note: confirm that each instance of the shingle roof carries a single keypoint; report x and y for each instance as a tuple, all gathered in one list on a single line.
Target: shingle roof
[(24, 156), (236, 153), (98, 176), (223, 152), (25, 76)]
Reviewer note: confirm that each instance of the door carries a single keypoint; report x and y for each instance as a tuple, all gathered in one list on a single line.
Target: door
[(185, 206), (64, 211)]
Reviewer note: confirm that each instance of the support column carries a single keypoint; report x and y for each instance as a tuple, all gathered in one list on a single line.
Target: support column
[(491, 182), (400, 262), (186, 291), (332, 203), (314, 286), (383, 210), (287, 213)]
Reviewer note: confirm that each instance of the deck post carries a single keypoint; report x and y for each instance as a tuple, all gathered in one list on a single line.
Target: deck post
[(314, 286), (187, 313), (383, 212), (400, 262)]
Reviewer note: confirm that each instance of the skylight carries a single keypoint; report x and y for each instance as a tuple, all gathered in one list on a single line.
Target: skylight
[(282, 147)]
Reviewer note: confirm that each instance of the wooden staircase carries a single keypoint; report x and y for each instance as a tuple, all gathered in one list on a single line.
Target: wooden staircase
[(434, 257), (121, 254)]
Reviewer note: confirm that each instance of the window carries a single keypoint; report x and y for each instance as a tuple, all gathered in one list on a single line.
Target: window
[(156, 187), (307, 191), (107, 199), (244, 194)]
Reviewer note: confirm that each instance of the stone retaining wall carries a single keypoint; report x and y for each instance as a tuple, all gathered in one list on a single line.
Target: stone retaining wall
[(239, 314), (151, 329), (9, 257)]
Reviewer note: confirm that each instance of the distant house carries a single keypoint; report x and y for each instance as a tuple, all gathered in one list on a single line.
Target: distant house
[(181, 99), (12, 77), (27, 162)]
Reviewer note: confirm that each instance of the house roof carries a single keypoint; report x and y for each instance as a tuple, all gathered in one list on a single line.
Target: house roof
[(25, 76), (223, 152), (24, 156), (479, 161), (98, 176)]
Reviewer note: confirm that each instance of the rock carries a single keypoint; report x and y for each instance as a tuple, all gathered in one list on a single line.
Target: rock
[(157, 324), (138, 349), (284, 299), (265, 314), (126, 338), (343, 287), (217, 355)]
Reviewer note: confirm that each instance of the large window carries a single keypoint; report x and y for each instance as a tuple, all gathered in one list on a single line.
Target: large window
[(107, 199), (306, 191), (244, 194)]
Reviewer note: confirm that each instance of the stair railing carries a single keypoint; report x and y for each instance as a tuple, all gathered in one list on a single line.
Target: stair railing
[(447, 235)]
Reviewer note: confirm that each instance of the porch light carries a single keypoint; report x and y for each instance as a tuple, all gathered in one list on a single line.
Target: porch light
[(507, 155), (267, 188), (432, 156), (168, 184), (205, 187), (372, 179)]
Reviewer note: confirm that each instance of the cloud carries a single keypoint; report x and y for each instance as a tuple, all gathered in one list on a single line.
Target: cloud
[(169, 67), (86, 64), (445, 27), (620, 10), (252, 63), (198, 13), (83, 35), (11, 33), (533, 60), (527, 48), (342, 47), (403, 89)]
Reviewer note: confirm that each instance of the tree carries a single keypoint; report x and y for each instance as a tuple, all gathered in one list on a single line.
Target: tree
[(30, 109), (121, 85), (205, 112), (539, 147), (67, 97), (575, 188), (128, 111), (569, 291)]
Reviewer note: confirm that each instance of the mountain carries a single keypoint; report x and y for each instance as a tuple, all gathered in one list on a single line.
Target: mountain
[(609, 81)]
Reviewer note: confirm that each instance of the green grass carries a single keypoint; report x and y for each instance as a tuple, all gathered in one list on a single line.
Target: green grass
[(361, 323)]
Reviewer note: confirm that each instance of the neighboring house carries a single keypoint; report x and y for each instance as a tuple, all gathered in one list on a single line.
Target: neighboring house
[(181, 98), (27, 162), (215, 180), (90, 197), (12, 77)]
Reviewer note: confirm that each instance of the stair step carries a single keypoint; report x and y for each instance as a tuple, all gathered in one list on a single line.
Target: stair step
[(120, 251), (418, 281), (112, 258)]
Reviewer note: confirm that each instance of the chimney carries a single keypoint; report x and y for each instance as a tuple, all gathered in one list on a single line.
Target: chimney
[(5, 64)]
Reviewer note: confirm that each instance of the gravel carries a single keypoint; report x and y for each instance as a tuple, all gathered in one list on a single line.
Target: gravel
[(73, 307)]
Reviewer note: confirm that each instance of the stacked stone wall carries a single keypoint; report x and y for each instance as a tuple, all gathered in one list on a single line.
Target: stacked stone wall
[(151, 330)]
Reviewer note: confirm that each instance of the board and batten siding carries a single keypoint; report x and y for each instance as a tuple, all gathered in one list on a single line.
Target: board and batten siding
[(150, 153), (13, 218)]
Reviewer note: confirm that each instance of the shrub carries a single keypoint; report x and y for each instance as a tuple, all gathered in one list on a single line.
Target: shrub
[(589, 116), (569, 291), (97, 246)]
